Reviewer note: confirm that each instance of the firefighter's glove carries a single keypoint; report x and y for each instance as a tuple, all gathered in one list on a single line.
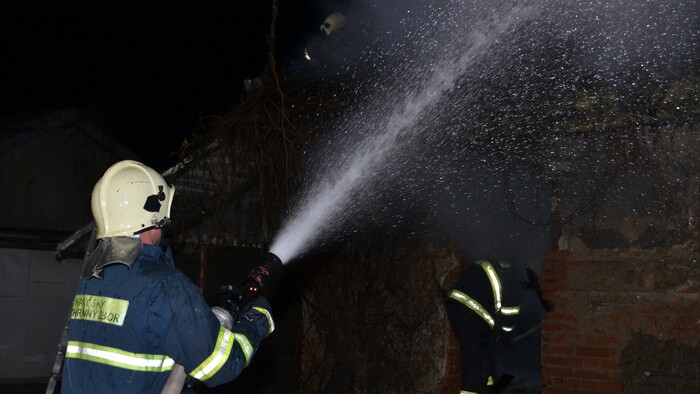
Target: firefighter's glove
[(260, 317), (533, 283), (228, 297), (500, 385)]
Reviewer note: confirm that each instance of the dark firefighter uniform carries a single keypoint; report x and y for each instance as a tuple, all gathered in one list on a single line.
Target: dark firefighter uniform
[(477, 311), (128, 330)]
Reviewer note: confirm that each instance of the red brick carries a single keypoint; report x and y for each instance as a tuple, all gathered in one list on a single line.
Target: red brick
[(553, 297), (557, 371), (601, 387), (621, 321), (556, 256), (602, 340), (452, 380), (555, 326), (573, 362), (555, 350), (565, 386), (692, 289), (687, 321), (560, 336), (575, 385), (593, 352), (553, 275), (592, 375), (653, 310), (600, 330), (555, 286), (572, 317), (555, 316), (610, 365), (591, 363)]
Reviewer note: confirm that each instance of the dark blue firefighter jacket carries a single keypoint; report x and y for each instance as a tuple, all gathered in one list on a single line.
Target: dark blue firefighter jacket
[(130, 328)]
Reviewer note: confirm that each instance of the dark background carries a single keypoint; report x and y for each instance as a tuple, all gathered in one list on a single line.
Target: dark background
[(154, 68)]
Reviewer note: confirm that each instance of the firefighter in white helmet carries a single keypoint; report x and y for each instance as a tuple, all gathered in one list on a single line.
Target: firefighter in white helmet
[(135, 315)]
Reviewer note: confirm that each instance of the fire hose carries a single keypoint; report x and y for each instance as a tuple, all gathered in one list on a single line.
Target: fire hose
[(242, 298)]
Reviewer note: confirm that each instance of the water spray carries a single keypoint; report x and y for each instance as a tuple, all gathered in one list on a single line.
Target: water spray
[(328, 204)]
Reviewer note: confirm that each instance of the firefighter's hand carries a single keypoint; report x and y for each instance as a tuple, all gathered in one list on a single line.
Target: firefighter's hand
[(532, 282), (532, 276), (228, 297), (260, 316)]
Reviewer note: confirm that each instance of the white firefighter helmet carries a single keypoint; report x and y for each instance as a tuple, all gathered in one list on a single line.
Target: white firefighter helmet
[(130, 198), (333, 22)]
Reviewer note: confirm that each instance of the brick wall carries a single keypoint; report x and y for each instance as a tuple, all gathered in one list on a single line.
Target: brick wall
[(624, 321), (452, 379)]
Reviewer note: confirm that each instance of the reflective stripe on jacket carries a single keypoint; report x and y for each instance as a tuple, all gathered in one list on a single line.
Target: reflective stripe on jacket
[(497, 288)]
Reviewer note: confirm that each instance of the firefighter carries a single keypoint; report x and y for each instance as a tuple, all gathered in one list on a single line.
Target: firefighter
[(135, 317), (483, 305)]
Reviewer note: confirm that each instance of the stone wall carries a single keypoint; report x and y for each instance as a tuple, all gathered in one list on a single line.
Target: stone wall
[(625, 278), (624, 322)]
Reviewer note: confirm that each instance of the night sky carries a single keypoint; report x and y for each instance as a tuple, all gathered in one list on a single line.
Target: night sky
[(153, 68)]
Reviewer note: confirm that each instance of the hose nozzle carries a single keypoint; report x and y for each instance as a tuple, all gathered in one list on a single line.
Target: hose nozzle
[(270, 265)]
